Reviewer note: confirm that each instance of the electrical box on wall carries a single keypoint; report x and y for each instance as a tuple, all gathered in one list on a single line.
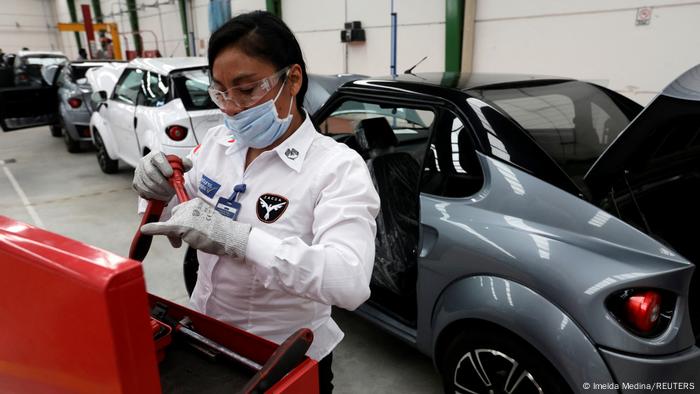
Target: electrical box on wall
[(353, 32)]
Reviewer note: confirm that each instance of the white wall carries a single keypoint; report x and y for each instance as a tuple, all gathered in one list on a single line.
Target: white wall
[(28, 23), (421, 32), (316, 23), (595, 40)]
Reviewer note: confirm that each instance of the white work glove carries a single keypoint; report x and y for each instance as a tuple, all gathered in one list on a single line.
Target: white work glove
[(151, 176), (198, 224)]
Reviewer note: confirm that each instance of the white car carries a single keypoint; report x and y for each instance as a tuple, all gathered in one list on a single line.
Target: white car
[(150, 104)]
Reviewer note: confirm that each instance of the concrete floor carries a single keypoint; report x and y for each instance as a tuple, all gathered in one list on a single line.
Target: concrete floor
[(69, 195)]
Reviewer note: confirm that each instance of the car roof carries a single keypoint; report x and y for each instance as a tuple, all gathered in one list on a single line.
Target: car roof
[(40, 53), (91, 63), (166, 65), (96, 61), (460, 81)]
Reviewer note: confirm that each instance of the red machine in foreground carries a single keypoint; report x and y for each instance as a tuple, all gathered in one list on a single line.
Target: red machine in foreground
[(74, 318)]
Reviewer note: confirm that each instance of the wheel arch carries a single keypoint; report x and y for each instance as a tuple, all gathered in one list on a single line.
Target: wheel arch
[(98, 124), (495, 303)]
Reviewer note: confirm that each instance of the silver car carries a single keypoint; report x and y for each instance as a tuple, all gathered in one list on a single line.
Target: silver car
[(74, 104), (536, 233)]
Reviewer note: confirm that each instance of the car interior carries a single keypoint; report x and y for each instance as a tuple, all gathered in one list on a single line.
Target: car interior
[(405, 155), (392, 140)]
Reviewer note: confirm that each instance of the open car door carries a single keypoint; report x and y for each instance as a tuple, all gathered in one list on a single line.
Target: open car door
[(24, 107)]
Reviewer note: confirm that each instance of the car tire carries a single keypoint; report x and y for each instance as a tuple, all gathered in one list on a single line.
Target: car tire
[(72, 145), (107, 165), (56, 130), (496, 361), (190, 266)]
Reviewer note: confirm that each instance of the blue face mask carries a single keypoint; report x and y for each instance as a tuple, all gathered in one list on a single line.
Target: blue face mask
[(259, 126)]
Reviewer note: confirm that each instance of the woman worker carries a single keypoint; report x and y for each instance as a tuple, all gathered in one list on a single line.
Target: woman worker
[(284, 217)]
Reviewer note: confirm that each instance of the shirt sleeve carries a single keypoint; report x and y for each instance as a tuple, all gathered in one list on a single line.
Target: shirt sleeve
[(337, 267)]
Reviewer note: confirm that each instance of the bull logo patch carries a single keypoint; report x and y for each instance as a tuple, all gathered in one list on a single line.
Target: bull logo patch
[(271, 207)]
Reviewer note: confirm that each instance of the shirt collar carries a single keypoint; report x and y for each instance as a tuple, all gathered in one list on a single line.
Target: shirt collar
[(291, 151)]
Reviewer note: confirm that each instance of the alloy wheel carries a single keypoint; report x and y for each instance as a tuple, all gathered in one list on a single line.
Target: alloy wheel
[(491, 371)]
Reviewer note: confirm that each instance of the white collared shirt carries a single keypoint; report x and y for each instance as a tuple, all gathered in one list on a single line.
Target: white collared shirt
[(312, 207)]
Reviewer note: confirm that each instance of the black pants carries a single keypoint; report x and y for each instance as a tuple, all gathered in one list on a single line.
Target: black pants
[(325, 375)]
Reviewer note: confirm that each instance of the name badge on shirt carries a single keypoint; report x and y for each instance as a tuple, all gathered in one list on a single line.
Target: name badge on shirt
[(229, 207)]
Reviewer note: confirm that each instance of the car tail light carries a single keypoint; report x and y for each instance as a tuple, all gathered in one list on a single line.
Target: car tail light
[(176, 133), (74, 102), (645, 312), (23, 77)]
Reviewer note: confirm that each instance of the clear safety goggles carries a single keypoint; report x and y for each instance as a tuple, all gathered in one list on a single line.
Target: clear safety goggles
[(246, 95)]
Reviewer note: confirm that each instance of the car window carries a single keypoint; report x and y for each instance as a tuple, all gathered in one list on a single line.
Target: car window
[(154, 90), (573, 121), (451, 167), (127, 89), (191, 87), (407, 123), (505, 140), (411, 125)]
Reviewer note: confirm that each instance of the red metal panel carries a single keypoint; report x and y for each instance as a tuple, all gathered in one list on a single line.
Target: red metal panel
[(302, 380), (89, 30), (74, 318)]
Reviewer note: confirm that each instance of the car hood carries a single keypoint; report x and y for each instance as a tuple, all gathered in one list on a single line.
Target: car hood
[(105, 77), (648, 134)]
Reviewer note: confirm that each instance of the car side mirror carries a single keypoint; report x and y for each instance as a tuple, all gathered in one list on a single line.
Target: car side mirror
[(98, 98)]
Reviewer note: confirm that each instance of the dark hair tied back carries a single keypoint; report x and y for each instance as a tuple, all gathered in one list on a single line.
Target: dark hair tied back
[(261, 35)]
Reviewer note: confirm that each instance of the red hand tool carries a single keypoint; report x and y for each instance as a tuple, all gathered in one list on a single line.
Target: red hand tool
[(142, 242)]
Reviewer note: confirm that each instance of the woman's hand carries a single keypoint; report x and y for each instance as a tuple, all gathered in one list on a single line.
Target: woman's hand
[(152, 174), (198, 224)]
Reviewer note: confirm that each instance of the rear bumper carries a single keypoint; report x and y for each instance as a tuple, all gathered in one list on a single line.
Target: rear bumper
[(79, 131), (676, 373), (77, 124)]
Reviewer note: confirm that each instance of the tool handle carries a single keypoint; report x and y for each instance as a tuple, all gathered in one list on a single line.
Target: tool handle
[(141, 243), (287, 356), (177, 180)]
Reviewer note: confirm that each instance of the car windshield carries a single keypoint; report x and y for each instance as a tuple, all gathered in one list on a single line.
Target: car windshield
[(573, 121), (44, 60), (191, 87)]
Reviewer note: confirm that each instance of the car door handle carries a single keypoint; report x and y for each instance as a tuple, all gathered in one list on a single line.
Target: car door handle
[(428, 239)]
